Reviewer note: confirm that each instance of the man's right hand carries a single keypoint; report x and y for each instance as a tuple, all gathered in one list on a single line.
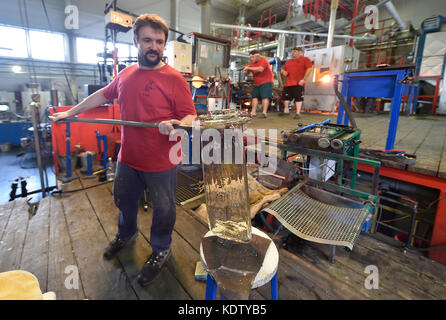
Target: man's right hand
[(285, 73), (59, 116)]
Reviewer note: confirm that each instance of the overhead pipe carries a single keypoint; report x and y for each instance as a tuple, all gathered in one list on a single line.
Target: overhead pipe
[(281, 47), (331, 25), (391, 8), (340, 36)]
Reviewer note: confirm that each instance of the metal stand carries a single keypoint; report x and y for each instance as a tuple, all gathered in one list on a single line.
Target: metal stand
[(35, 118)]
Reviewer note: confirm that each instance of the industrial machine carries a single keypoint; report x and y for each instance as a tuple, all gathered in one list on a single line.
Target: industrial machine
[(328, 138), (327, 63), (210, 63), (329, 212)]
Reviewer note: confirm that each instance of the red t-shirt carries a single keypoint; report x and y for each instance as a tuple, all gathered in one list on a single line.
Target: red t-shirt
[(262, 77), (296, 69), (149, 96)]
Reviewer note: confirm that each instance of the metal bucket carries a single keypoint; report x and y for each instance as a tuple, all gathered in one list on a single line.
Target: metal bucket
[(83, 156), (62, 163)]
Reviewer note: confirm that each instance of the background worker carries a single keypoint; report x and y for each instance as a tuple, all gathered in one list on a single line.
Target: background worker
[(149, 91), (296, 71), (263, 81)]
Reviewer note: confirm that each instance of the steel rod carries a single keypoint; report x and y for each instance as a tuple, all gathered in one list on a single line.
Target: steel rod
[(35, 120), (116, 122)]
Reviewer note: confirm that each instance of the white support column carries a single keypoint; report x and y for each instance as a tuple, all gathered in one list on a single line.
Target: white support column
[(331, 26)]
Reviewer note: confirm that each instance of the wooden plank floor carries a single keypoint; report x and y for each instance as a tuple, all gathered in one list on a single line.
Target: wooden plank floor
[(70, 232), (424, 136)]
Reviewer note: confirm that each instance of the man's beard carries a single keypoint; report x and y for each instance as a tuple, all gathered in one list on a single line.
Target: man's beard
[(144, 60)]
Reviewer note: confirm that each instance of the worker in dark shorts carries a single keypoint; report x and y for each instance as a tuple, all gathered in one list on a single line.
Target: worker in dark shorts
[(263, 82), (296, 71)]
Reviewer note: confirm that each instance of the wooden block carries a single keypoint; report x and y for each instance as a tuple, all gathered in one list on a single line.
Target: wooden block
[(200, 273)]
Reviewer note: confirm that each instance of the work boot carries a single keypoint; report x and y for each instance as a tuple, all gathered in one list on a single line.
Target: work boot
[(153, 267), (117, 244)]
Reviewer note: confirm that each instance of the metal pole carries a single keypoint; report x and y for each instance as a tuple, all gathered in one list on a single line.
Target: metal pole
[(34, 108), (341, 36), (334, 9), (117, 122)]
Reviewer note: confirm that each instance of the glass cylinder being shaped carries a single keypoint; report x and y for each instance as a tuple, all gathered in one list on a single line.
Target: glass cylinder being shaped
[(225, 174)]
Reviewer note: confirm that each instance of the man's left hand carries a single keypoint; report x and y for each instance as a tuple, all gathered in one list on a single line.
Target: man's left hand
[(166, 127)]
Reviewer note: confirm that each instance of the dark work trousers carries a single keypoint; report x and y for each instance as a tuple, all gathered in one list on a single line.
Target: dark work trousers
[(127, 191)]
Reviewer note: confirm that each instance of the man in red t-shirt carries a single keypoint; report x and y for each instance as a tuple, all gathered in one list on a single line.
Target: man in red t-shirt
[(263, 81), (296, 71), (149, 91)]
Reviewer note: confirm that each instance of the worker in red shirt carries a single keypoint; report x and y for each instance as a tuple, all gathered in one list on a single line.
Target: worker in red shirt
[(263, 81), (296, 71), (149, 91)]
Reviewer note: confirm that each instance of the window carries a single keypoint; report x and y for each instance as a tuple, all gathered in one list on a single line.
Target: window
[(47, 45), (133, 51), (87, 50), (123, 49), (13, 42)]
